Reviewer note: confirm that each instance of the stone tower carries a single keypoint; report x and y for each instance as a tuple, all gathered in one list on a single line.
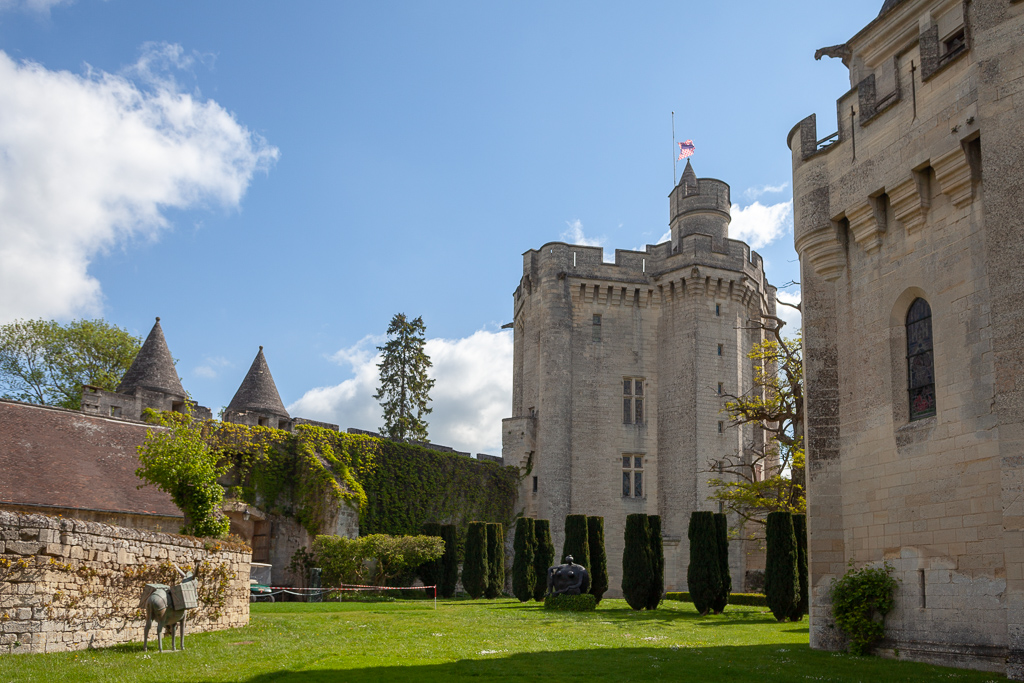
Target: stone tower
[(619, 370), (908, 221), (257, 402)]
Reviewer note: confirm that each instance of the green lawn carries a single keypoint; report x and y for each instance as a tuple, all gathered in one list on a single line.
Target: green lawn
[(484, 641)]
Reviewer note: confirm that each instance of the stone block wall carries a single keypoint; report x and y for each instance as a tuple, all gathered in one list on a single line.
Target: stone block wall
[(67, 584)]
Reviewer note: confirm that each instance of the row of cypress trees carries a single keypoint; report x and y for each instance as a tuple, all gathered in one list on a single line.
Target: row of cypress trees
[(444, 571), (643, 562), (483, 569), (785, 573), (707, 576), (535, 554)]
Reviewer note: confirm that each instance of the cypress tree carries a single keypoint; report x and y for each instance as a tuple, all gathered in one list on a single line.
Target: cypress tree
[(450, 576), (524, 576), (576, 541), (543, 557), (781, 580), (475, 566), (431, 573), (703, 577), (657, 562), (495, 560), (800, 531), (598, 557), (722, 536), (637, 565)]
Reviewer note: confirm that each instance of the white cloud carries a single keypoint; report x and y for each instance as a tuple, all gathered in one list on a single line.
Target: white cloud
[(471, 395), (90, 161), (759, 225), (790, 315), (755, 192), (212, 367), (574, 235), (40, 6)]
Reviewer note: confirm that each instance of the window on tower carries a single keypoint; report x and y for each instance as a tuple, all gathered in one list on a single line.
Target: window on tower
[(633, 475), (633, 400), (920, 360)]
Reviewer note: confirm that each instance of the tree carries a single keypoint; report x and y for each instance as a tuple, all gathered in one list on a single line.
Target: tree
[(524, 575), (450, 577), (781, 580), (543, 558), (657, 562), (346, 560), (431, 572), (722, 536), (42, 361), (768, 474), (475, 567), (404, 392), (576, 541), (800, 532), (495, 560), (598, 557), (703, 574), (178, 461), (637, 564)]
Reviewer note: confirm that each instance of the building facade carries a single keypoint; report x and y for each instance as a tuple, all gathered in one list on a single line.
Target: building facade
[(620, 370), (908, 222)]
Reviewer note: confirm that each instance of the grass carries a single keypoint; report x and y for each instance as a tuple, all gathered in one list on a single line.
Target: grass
[(483, 640)]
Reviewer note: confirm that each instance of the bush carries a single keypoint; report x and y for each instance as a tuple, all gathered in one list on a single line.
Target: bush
[(657, 562), (858, 598), (637, 565), (800, 531), (475, 567), (703, 576), (543, 558), (577, 544), (598, 557), (450, 577), (781, 581), (752, 599), (584, 602), (524, 576), (432, 573), (722, 536), (495, 560), (345, 560)]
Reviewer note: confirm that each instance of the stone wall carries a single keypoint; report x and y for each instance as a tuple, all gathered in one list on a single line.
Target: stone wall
[(67, 584)]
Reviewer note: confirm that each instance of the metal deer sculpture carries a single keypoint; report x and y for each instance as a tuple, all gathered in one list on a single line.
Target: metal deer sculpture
[(168, 606)]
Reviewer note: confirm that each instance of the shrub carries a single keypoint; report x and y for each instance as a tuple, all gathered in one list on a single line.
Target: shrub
[(524, 576), (598, 557), (637, 565), (432, 573), (543, 558), (781, 581), (722, 537), (450, 577), (753, 599), (703, 576), (657, 562), (577, 544), (475, 567), (584, 602), (345, 560), (495, 560), (857, 598), (800, 531)]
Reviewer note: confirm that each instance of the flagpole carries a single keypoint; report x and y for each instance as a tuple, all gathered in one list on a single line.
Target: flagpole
[(673, 149)]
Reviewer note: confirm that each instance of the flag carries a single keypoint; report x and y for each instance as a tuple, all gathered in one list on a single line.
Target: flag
[(685, 149)]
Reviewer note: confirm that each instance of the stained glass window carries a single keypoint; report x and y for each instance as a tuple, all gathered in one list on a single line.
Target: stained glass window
[(920, 360)]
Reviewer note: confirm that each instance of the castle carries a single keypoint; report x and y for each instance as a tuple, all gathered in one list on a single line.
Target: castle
[(908, 222), (620, 371)]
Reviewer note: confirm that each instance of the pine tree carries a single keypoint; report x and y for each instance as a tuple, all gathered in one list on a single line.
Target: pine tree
[(637, 564), (404, 392), (657, 562), (722, 536), (432, 573), (703, 577), (450, 577), (543, 558), (598, 557), (781, 580), (495, 560), (524, 576), (800, 532), (475, 571), (577, 544)]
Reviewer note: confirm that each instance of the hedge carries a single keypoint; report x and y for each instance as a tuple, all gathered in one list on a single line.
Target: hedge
[(475, 571), (722, 536), (524, 576), (495, 560), (543, 557), (598, 557), (637, 564), (800, 531), (584, 602), (753, 599), (703, 576), (781, 580)]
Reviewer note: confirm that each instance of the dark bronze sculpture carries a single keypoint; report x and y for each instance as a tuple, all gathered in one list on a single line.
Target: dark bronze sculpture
[(568, 579), (167, 606)]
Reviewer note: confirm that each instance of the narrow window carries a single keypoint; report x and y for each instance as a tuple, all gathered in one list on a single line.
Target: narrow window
[(632, 476), (632, 400), (720, 427), (535, 484), (719, 388), (719, 349), (596, 328), (718, 309), (627, 489), (920, 360)]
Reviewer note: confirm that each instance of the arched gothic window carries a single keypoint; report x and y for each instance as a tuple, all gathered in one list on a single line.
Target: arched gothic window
[(920, 360)]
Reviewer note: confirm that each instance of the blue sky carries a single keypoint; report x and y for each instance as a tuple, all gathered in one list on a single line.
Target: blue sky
[(293, 174)]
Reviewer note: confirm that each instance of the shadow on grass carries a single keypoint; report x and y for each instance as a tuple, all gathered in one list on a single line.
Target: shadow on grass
[(754, 663)]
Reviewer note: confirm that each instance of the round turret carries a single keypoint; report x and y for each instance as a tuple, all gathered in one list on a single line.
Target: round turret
[(699, 206)]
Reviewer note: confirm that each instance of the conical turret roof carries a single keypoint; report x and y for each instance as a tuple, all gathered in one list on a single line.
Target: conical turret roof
[(888, 5), (689, 176), (258, 393), (153, 367)]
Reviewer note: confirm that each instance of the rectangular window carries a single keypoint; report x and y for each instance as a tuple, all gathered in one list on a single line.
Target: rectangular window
[(718, 309), (719, 388), (720, 427), (719, 349), (632, 476), (633, 400), (535, 484), (596, 328)]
